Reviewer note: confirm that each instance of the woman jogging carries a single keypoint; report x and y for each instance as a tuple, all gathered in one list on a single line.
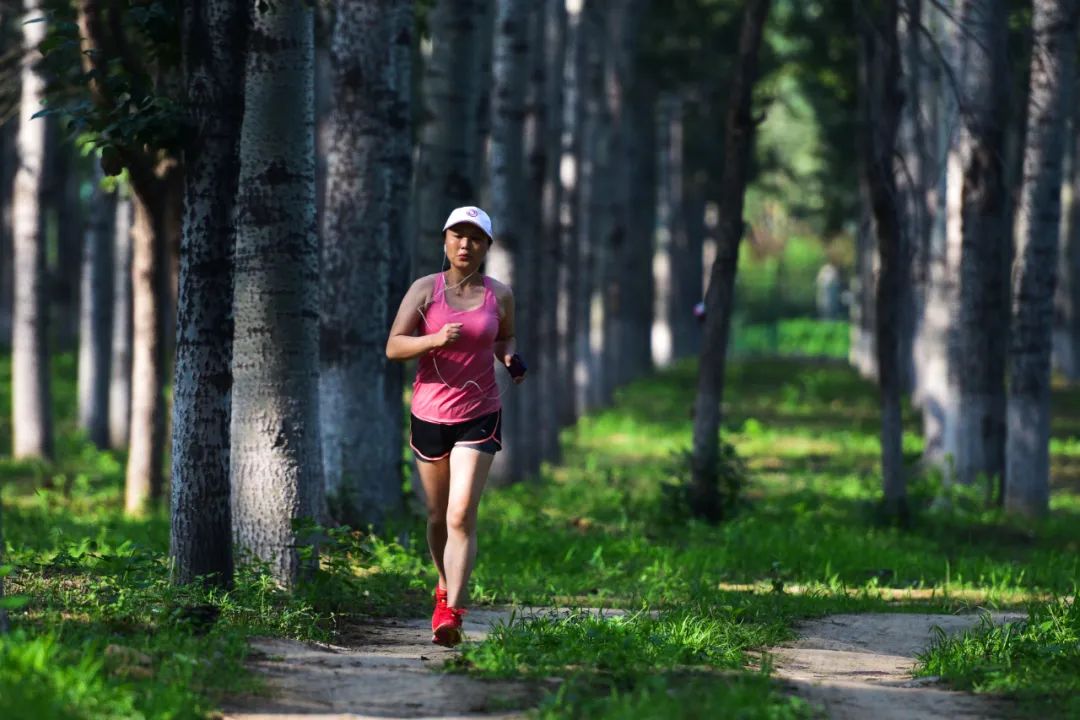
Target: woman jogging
[(454, 321)]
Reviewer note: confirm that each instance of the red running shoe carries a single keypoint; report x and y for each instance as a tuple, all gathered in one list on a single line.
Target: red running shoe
[(447, 623), (440, 603)]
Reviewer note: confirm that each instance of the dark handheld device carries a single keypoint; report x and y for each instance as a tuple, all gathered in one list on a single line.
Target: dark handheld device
[(517, 366)]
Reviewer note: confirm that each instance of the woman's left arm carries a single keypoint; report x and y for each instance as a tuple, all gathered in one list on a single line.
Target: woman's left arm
[(505, 345)]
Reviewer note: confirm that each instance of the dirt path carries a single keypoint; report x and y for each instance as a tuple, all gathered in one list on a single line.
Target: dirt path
[(854, 666), (859, 666), (386, 672)]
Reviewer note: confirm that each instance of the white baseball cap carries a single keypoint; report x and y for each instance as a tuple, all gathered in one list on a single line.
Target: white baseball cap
[(473, 215)]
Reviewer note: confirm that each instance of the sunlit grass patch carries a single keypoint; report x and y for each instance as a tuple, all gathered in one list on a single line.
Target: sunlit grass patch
[(637, 664), (1037, 659)]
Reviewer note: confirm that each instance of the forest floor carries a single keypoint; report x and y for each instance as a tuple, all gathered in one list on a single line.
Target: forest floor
[(99, 631)]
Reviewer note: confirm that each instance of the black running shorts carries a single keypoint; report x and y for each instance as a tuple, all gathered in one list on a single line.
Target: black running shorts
[(434, 441)]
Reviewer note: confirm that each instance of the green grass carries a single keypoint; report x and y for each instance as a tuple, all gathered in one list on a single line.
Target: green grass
[(1036, 660), (606, 528), (801, 337)]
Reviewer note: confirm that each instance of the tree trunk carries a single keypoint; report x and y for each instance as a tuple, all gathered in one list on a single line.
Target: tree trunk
[(881, 108), (509, 257), (863, 290), (912, 179), (448, 136), (933, 393), (594, 221), (980, 335), (739, 128), (569, 214), (156, 195), (95, 316), (1067, 314), (32, 425), (361, 433), (670, 226), (214, 36), (1027, 477), (64, 275), (276, 464), (120, 365), (636, 308), (398, 161), (550, 49), (8, 165), (624, 23)]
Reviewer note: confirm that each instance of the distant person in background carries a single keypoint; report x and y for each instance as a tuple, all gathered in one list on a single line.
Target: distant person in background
[(454, 321)]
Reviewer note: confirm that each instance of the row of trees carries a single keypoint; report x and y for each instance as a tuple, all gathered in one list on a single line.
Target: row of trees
[(281, 280), (962, 180), (285, 184)]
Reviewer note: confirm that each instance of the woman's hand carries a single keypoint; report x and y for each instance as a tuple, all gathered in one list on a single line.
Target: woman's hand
[(447, 335), (508, 360)]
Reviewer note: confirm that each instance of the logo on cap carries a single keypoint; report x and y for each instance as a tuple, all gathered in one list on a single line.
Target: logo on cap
[(471, 212)]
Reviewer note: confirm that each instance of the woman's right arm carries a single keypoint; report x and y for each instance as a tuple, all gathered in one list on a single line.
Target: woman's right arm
[(404, 343)]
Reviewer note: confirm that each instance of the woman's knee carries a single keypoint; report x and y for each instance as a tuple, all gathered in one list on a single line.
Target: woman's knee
[(460, 519), (436, 516)]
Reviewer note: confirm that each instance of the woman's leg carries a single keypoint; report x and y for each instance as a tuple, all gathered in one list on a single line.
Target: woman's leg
[(468, 473), (435, 477)]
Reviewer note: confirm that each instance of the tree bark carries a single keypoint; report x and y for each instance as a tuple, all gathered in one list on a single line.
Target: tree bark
[(276, 463), (361, 432), (881, 108), (156, 197), (32, 425), (447, 158), (980, 335), (1067, 311), (65, 205), (550, 49), (95, 316), (120, 365), (636, 308), (739, 128), (624, 26), (670, 225), (593, 222), (509, 257), (8, 165), (214, 35), (398, 160), (935, 394), (569, 214), (1027, 477)]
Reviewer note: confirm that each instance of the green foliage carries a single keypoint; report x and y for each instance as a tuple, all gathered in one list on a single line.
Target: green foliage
[(776, 278), (799, 337), (1037, 659), (131, 96)]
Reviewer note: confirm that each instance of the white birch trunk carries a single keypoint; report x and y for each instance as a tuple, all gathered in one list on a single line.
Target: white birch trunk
[(1027, 476), (361, 431), (120, 364), (508, 257), (214, 36), (275, 454), (982, 300), (95, 316), (32, 426)]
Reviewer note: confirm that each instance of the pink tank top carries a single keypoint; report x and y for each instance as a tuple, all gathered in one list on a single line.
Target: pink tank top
[(457, 382)]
